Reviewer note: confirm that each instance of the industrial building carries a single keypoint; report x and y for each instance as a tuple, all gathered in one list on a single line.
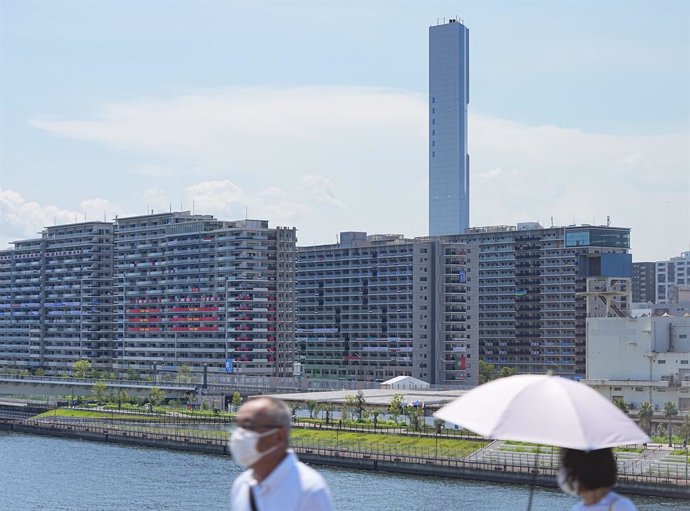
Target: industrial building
[(652, 357)]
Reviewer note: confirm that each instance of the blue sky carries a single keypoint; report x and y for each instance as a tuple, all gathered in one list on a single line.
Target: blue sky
[(313, 114)]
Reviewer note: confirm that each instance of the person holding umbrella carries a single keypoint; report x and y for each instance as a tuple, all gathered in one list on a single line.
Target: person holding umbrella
[(590, 476), (549, 410)]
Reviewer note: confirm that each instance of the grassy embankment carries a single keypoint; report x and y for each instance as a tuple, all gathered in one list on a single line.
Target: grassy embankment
[(378, 443), (349, 440)]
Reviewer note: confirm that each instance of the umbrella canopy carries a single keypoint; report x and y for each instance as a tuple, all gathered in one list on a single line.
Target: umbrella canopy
[(543, 409)]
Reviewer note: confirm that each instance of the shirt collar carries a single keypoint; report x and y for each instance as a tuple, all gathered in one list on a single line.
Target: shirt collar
[(278, 473)]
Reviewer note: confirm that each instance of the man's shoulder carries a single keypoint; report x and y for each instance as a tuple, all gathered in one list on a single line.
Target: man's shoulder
[(245, 477), (309, 477)]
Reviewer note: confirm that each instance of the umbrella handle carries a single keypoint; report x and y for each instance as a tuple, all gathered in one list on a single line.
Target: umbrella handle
[(533, 480)]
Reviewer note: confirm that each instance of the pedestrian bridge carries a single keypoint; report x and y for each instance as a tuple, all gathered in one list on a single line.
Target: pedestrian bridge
[(50, 386)]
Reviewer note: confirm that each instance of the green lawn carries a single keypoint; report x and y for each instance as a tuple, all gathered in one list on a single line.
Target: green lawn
[(393, 444), (97, 414)]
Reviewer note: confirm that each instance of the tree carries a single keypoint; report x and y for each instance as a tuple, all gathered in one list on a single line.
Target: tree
[(122, 398), (644, 417), (132, 375), (100, 390), (670, 411), (40, 372), (375, 414), (156, 396), (620, 403), (81, 368), (395, 407), (486, 371), (311, 406), (359, 404), (349, 407), (684, 429), (184, 374), (328, 410), (506, 371), (414, 413), (438, 425), (236, 401)]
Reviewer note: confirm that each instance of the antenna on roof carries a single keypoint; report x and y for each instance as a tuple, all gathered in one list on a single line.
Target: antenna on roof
[(246, 214), (608, 221)]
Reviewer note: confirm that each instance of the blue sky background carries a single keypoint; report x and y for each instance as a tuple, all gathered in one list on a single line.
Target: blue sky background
[(314, 113)]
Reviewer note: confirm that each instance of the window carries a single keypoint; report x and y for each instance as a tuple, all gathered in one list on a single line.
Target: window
[(661, 361)]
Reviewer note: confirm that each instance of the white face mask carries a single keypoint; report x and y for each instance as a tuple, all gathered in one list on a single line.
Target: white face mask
[(565, 485), (243, 446)]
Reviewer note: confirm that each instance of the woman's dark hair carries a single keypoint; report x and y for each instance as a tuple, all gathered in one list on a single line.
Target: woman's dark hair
[(589, 470)]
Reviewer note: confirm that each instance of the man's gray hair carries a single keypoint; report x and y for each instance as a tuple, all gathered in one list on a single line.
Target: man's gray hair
[(277, 412)]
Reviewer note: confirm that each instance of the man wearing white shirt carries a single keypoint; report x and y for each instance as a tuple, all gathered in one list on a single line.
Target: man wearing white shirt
[(275, 480)]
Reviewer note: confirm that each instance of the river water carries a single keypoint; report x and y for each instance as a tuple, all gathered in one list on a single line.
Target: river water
[(56, 474)]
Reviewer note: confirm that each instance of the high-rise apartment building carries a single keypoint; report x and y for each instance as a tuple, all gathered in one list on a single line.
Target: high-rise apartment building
[(56, 303), (449, 161), (193, 290), (374, 307), (672, 278), (151, 292), (644, 282), (532, 286)]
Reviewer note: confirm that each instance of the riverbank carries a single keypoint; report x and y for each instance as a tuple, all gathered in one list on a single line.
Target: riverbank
[(351, 459)]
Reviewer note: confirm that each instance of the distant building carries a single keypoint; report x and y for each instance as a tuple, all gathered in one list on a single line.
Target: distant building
[(151, 293), (56, 299), (197, 291), (644, 282), (652, 359), (404, 383), (449, 161), (673, 279), (379, 306), (532, 291)]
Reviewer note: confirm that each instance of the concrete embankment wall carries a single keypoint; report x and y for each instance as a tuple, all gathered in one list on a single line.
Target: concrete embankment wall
[(371, 463), (476, 474), (208, 447)]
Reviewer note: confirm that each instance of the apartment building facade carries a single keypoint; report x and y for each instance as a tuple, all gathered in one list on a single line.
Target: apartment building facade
[(151, 293), (532, 285), (644, 282), (56, 303), (194, 290), (374, 307), (672, 279)]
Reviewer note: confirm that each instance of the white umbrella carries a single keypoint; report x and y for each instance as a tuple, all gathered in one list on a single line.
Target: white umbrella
[(543, 409)]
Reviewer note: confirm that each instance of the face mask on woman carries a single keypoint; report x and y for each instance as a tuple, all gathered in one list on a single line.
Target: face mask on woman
[(243, 446), (565, 485)]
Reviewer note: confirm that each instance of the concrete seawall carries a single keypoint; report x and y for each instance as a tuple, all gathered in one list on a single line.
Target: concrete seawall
[(390, 464), (478, 474), (208, 447)]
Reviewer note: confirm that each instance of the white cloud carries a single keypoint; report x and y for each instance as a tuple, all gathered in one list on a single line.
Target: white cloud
[(342, 158), (22, 218)]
